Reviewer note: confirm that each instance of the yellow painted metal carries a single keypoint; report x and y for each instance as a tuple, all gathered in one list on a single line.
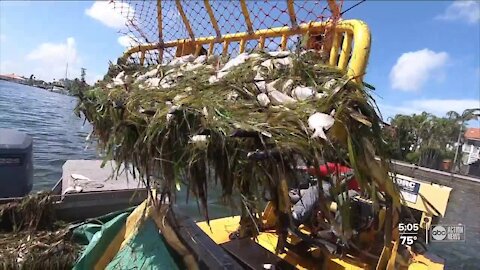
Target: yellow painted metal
[(261, 42), (291, 13), (358, 29), (213, 20), (436, 195), (284, 42), (243, 43), (220, 229), (122, 237), (333, 60), (226, 42), (211, 47), (345, 52), (184, 19), (246, 15)]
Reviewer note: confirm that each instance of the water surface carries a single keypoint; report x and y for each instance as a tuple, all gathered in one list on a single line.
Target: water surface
[(58, 134)]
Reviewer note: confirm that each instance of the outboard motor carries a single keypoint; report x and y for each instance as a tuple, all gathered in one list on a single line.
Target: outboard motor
[(16, 163)]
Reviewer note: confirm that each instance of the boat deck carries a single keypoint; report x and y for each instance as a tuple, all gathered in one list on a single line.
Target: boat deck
[(99, 179)]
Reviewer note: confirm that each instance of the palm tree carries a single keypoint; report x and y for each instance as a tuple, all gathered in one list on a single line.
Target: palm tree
[(467, 115)]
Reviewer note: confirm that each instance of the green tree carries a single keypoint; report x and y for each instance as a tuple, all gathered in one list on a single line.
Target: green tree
[(467, 115)]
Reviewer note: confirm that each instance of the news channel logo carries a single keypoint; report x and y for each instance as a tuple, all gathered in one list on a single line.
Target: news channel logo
[(447, 233)]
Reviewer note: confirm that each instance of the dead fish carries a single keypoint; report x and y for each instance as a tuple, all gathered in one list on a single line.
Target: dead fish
[(182, 60), (79, 177), (279, 98), (240, 59), (149, 74), (279, 53), (287, 86), (73, 189), (319, 123), (330, 84), (152, 82), (200, 141), (118, 80), (271, 86), (302, 92), (263, 99), (200, 60)]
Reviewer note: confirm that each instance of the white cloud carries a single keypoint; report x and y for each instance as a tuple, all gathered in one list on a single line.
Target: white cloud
[(442, 106), (468, 11), (49, 60), (114, 15), (414, 69), (127, 41), (437, 107)]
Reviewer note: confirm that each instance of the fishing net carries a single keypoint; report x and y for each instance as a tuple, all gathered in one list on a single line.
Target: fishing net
[(193, 20), (32, 238)]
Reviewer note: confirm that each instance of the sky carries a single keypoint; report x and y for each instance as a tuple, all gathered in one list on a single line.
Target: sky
[(425, 55)]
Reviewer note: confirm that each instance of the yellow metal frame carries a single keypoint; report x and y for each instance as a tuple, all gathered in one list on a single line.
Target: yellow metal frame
[(350, 46)]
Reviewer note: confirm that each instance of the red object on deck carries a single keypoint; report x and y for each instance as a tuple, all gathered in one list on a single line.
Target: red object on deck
[(332, 168)]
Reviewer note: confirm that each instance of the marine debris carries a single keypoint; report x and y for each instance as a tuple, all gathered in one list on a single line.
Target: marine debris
[(32, 238), (248, 123)]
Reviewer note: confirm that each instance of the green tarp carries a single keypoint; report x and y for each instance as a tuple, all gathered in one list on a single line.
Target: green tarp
[(145, 250)]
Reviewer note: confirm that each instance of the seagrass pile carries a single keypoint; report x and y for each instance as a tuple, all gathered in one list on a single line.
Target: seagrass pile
[(246, 122), (32, 238)]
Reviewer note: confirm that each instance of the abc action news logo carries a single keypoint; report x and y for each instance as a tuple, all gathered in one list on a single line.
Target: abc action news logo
[(447, 233)]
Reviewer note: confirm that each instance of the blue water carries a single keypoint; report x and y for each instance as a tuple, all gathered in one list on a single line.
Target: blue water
[(58, 134)]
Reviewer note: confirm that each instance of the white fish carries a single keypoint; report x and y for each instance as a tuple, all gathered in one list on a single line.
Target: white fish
[(287, 61), (201, 59), (263, 99), (258, 76), (190, 67), (151, 73), (318, 96), (271, 86), (279, 98), (330, 84), (152, 82), (308, 51), (182, 60), (287, 86), (302, 93), (240, 59), (232, 96), (119, 79), (268, 64), (213, 79), (147, 75), (169, 117), (262, 86), (74, 189), (319, 123), (279, 53), (200, 141), (179, 97), (174, 108), (79, 177)]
